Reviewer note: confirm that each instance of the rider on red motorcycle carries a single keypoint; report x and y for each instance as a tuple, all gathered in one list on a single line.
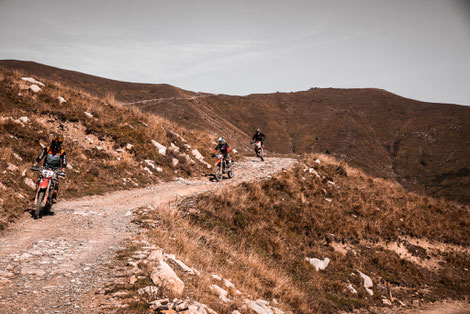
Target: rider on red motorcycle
[(224, 149), (258, 137), (55, 158)]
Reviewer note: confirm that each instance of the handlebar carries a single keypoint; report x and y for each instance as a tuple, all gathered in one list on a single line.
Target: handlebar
[(59, 173)]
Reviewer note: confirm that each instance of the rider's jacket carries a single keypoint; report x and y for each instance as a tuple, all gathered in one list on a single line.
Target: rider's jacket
[(53, 159), (258, 137), (224, 148)]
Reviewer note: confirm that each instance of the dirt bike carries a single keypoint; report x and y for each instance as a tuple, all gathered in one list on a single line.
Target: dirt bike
[(222, 166), (259, 150), (48, 178)]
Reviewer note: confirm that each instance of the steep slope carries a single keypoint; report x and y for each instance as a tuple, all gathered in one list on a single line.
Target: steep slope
[(321, 237), (108, 146)]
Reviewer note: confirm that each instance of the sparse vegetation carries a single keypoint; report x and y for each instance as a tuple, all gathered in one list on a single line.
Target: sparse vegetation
[(259, 234), (107, 144)]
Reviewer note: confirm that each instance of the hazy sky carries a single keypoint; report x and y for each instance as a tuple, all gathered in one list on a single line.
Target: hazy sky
[(419, 49)]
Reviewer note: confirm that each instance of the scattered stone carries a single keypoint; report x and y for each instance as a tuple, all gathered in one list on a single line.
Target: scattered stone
[(30, 183), (164, 276), (32, 80), (129, 146), (368, 284), (12, 167), (317, 161), (132, 280), (386, 301), (17, 156), (99, 148), (351, 289), (228, 284), (156, 256), (150, 290), (89, 139), (221, 293), (317, 263), (174, 162), (23, 119), (216, 277), (199, 157), (161, 149), (89, 115), (34, 88), (173, 148), (61, 100)]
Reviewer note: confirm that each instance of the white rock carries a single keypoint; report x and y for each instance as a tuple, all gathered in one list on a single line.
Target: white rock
[(159, 169), (34, 88), (150, 290), (317, 161), (228, 284), (99, 148), (129, 146), (174, 162), (317, 263), (161, 149), (61, 100), (23, 173), (12, 167), (221, 293), (17, 156), (30, 183), (368, 284), (183, 266), (150, 163), (216, 277), (258, 306), (32, 80), (24, 119), (199, 157), (148, 170), (351, 289), (89, 139), (386, 301), (164, 276), (89, 115), (174, 148)]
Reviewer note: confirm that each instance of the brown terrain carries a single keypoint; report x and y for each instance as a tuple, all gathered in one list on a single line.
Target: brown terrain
[(424, 146), (369, 215)]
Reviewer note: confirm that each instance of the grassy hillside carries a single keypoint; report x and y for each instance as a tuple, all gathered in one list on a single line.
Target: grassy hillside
[(414, 248), (424, 146), (108, 146)]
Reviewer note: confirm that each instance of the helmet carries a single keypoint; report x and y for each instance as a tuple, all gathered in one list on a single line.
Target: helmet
[(56, 143), (221, 140), (258, 130)]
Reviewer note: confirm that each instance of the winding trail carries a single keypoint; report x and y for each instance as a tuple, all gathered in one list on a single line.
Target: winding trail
[(57, 263)]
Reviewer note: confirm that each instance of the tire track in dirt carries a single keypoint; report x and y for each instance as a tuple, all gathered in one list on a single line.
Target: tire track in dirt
[(55, 264)]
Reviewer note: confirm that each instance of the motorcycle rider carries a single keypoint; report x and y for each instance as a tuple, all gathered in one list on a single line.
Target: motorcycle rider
[(224, 149), (258, 137), (55, 158)]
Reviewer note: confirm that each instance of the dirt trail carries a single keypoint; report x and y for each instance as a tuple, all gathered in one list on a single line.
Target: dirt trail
[(55, 264)]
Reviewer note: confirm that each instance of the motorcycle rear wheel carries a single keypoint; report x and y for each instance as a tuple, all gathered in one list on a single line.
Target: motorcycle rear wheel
[(230, 173), (39, 207)]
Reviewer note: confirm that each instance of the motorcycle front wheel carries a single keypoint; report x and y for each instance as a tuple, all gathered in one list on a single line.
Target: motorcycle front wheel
[(218, 173), (39, 207)]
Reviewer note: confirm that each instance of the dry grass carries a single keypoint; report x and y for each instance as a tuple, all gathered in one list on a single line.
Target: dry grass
[(258, 234), (95, 170)]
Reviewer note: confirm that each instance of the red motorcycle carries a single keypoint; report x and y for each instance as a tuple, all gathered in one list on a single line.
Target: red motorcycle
[(222, 166), (47, 181), (259, 150)]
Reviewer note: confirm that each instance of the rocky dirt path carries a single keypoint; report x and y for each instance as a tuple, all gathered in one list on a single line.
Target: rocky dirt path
[(57, 263)]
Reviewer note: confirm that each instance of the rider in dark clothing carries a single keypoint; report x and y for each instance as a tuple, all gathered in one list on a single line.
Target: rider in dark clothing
[(224, 149), (258, 137), (55, 158)]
